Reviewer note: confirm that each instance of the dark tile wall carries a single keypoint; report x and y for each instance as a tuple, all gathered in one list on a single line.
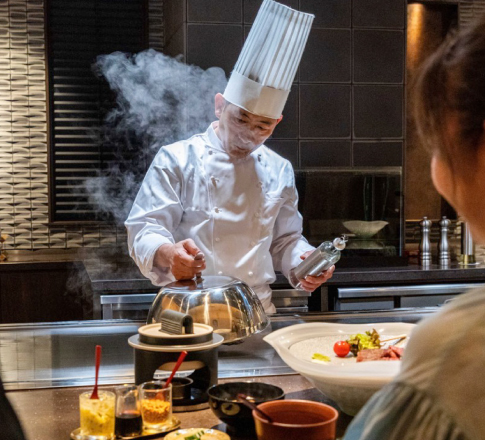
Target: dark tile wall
[(346, 107), (328, 199), (213, 45), (327, 57), (388, 14), (342, 126)]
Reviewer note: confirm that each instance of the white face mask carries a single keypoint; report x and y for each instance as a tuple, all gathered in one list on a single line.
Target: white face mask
[(241, 132)]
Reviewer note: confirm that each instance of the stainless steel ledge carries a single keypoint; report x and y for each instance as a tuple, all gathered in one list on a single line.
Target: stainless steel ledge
[(414, 290), (61, 354)]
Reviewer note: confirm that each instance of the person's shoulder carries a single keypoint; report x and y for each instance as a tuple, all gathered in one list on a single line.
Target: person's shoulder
[(185, 144), (457, 380), (447, 335), (279, 171), (276, 159), (180, 151), (461, 311), (464, 317), (273, 154)]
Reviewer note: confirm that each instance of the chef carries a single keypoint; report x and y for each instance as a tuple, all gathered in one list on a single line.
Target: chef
[(223, 194)]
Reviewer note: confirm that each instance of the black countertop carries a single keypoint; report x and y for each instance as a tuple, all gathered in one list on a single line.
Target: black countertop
[(407, 274), (125, 277), (113, 271)]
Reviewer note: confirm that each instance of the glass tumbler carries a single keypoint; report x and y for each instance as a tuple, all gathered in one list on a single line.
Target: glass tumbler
[(128, 421), (97, 415), (156, 405)]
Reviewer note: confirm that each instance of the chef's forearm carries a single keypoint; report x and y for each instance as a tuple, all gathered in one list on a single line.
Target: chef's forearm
[(143, 244), (163, 256)]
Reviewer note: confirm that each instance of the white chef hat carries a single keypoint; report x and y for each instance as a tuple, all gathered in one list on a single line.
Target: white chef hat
[(267, 65)]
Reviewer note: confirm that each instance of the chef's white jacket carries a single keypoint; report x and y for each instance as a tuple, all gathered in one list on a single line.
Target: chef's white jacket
[(242, 214)]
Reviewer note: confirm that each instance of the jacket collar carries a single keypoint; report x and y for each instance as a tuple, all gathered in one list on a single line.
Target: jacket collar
[(213, 138)]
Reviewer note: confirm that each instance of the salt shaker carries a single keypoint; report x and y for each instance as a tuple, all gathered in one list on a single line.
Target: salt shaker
[(444, 256), (425, 244), (322, 258)]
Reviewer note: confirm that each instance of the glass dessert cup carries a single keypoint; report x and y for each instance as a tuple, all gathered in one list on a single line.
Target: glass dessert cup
[(97, 415), (156, 405)]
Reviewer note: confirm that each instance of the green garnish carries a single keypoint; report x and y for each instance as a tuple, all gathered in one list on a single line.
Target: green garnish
[(320, 357), (197, 436), (362, 341)]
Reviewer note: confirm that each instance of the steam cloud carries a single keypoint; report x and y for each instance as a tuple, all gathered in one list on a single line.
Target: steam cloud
[(159, 100)]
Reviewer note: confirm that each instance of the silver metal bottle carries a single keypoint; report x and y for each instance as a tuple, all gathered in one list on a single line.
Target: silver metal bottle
[(322, 258), (467, 245), (444, 255), (425, 244)]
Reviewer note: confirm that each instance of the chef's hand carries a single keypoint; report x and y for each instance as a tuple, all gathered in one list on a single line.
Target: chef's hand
[(179, 257), (310, 283)]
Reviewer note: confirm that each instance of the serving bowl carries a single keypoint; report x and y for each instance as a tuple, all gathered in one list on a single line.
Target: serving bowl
[(296, 419), (348, 383), (224, 404), (364, 229)]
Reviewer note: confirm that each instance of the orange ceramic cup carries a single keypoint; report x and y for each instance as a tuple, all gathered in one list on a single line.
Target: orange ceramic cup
[(296, 419)]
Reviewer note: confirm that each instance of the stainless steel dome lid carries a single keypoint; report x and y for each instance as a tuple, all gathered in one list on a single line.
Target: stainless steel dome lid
[(225, 303)]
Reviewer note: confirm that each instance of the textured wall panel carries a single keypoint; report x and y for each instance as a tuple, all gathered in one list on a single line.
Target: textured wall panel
[(155, 24), (469, 10), (23, 133)]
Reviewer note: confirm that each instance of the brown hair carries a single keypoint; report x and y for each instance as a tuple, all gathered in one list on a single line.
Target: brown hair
[(451, 85)]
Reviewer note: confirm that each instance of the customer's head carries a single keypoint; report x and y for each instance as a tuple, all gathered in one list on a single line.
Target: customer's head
[(450, 116)]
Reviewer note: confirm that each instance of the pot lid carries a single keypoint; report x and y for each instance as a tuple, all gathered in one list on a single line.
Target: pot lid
[(202, 283), (215, 341), (231, 309), (154, 335)]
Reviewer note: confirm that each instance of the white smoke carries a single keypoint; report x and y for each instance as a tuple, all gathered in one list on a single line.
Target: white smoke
[(159, 100)]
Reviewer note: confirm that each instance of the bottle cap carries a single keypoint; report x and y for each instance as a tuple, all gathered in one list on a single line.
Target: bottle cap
[(340, 242)]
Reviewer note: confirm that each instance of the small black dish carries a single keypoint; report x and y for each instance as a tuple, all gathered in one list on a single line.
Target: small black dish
[(181, 387), (224, 404)]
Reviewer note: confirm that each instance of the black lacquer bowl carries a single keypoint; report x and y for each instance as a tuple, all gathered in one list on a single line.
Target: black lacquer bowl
[(224, 404)]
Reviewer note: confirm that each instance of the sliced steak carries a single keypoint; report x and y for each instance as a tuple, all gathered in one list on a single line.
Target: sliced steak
[(380, 354), (398, 350), (371, 354)]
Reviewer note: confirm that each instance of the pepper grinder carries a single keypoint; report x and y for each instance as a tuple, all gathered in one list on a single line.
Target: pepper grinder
[(425, 244), (444, 256)]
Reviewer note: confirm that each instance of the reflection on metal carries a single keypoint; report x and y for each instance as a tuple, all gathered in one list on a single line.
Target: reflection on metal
[(467, 256), (132, 306), (425, 243), (415, 39), (61, 354), (411, 290), (290, 300), (227, 304), (444, 254)]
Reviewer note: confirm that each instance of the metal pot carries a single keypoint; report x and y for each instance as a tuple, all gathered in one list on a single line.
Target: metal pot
[(157, 348), (227, 304)]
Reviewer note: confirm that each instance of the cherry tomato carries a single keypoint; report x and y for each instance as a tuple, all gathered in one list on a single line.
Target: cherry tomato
[(341, 348)]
